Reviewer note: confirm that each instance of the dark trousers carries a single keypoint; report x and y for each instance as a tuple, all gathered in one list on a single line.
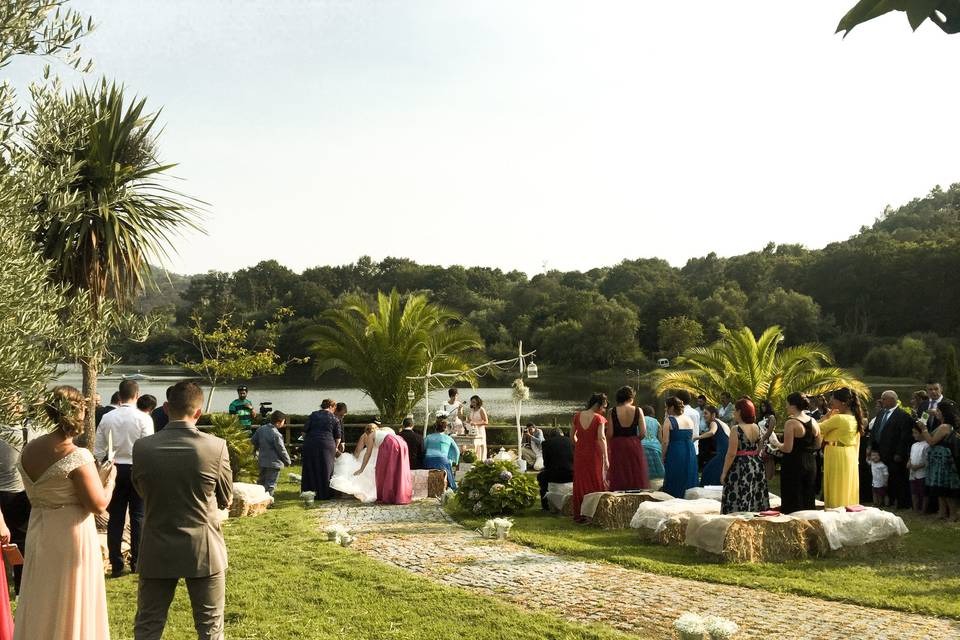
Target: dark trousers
[(898, 485), (206, 599), (268, 479), (125, 497), (16, 513)]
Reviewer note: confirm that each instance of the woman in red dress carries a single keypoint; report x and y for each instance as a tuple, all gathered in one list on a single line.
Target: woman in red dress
[(589, 451), (625, 432)]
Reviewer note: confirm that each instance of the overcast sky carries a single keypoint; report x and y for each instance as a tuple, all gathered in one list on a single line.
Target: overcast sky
[(519, 134)]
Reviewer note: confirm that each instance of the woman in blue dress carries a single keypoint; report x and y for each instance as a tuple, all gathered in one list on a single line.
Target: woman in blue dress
[(720, 432), (679, 456), (651, 444)]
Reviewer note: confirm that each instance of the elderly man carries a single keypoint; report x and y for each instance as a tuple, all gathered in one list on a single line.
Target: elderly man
[(892, 437)]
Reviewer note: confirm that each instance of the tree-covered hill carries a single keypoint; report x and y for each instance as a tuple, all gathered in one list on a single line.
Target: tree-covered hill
[(861, 296)]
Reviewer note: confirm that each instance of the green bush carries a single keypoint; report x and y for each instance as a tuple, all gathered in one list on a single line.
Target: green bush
[(497, 488), (468, 456), (242, 461)]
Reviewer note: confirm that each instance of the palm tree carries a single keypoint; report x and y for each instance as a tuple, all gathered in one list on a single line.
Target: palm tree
[(113, 215), (759, 368), (381, 347)]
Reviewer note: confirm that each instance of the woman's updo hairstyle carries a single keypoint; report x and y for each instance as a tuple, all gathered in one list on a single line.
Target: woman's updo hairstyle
[(625, 394), (597, 399), (799, 401), (675, 404), (66, 408), (748, 412)]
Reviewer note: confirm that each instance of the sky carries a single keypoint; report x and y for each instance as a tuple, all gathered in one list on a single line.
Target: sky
[(525, 134)]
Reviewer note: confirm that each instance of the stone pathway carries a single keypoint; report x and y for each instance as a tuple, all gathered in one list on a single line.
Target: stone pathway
[(421, 538)]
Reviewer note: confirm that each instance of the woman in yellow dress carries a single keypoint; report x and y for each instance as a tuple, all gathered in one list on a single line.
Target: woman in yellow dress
[(841, 436)]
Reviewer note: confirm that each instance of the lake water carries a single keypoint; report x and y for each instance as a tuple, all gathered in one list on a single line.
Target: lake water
[(553, 397), (549, 400)]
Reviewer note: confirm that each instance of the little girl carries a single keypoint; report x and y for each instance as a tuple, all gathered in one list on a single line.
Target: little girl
[(918, 470), (880, 477)]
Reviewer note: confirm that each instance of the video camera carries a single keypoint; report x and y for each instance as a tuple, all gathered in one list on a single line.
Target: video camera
[(266, 408)]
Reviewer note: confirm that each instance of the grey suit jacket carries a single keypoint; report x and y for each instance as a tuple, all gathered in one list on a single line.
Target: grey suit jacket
[(184, 477)]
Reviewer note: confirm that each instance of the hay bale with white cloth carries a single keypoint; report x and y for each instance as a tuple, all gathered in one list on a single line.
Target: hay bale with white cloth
[(249, 500), (666, 522), (847, 531), (746, 538), (557, 493), (615, 509)]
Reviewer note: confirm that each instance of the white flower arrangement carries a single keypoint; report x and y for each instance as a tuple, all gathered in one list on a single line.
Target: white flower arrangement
[(689, 626), (336, 532), (720, 628), (489, 529), (503, 526), (308, 497), (346, 540), (294, 477), (521, 393)]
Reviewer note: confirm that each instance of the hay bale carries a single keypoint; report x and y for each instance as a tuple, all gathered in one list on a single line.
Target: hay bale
[(615, 510), (249, 500), (436, 483), (767, 540)]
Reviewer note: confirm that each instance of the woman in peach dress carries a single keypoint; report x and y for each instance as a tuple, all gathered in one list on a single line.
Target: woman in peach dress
[(62, 594)]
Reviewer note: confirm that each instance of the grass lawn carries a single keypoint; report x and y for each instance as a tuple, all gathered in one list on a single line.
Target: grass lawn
[(286, 582), (923, 576)]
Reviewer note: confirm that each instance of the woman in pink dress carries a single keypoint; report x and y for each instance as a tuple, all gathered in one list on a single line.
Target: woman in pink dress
[(589, 451), (394, 480), (62, 594)]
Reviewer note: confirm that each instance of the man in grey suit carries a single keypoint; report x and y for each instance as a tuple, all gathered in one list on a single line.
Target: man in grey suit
[(184, 477)]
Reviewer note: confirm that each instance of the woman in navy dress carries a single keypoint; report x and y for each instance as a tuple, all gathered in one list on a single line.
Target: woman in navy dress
[(679, 456), (720, 432), (321, 437)]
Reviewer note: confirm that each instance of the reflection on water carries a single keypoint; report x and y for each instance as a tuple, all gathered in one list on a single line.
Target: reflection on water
[(552, 397), (301, 397)]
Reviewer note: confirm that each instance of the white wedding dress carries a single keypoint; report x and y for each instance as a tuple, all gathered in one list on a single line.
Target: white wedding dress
[(364, 486)]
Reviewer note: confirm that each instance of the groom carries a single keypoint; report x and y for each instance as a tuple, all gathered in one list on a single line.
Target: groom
[(184, 477)]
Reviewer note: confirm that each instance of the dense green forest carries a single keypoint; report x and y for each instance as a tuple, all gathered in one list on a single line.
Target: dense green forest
[(885, 299)]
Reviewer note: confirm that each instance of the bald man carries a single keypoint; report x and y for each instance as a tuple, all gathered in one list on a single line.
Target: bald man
[(892, 437)]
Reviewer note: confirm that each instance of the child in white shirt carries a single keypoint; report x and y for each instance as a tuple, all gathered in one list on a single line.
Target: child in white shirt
[(880, 477), (917, 466)]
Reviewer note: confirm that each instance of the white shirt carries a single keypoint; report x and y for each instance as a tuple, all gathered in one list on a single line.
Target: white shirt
[(880, 474), (918, 455), (694, 415), (122, 427)]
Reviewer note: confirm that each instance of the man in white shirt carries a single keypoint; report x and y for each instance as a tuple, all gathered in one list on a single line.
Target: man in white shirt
[(116, 434), (692, 413), (726, 408)]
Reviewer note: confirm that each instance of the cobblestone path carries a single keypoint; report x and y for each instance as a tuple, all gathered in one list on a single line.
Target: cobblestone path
[(421, 538)]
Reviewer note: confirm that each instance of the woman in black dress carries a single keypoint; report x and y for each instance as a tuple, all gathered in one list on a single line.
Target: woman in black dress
[(321, 437), (798, 466)]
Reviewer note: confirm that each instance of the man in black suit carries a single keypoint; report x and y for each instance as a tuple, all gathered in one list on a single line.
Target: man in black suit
[(892, 437), (557, 463), (935, 397), (414, 443)]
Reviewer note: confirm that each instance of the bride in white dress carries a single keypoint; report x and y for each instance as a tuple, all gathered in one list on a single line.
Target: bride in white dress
[(356, 473)]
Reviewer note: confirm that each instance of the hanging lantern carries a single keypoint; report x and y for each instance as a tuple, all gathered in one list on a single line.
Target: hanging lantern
[(532, 371), (410, 394)]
